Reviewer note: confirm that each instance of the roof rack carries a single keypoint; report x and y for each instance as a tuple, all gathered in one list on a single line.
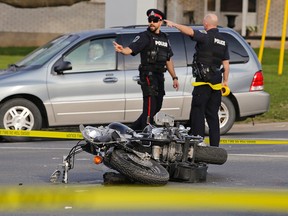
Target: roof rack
[(139, 26), (130, 26)]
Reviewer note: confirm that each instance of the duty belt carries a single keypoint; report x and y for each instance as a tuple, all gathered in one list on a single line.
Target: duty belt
[(152, 68)]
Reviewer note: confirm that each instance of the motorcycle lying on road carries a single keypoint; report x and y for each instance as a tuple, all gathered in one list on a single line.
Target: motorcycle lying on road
[(153, 156)]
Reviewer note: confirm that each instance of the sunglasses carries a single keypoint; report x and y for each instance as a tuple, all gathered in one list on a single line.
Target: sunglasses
[(154, 19)]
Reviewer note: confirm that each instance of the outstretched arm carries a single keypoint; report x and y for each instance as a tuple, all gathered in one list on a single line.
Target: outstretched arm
[(119, 48), (182, 28)]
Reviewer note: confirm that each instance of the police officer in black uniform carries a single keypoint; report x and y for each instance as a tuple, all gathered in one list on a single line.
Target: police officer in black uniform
[(155, 52), (211, 54)]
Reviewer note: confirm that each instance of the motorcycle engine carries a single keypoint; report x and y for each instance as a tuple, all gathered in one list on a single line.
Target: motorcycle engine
[(171, 152), (159, 133), (167, 153)]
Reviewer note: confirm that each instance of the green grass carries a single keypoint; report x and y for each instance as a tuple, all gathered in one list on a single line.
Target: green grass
[(5, 60), (9, 55), (18, 51), (276, 85)]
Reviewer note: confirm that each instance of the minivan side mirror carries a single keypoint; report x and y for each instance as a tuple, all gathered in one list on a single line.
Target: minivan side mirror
[(63, 66)]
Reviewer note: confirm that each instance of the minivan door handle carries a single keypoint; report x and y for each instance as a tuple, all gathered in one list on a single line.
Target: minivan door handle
[(110, 80), (136, 78)]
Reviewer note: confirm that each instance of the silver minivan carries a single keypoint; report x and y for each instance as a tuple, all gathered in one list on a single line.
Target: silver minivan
[(59, 84)]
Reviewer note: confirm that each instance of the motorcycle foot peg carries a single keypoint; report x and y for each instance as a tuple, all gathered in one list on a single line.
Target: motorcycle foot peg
[(54, 178)]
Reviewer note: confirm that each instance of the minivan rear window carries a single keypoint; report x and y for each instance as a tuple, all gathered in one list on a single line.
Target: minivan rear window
[(237, 52)]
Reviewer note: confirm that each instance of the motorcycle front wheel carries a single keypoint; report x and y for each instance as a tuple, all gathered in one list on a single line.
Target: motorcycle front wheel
[(143, 171)]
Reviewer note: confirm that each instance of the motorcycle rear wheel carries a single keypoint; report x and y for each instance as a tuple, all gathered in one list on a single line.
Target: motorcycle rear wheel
[(210, 155), (143, 171)]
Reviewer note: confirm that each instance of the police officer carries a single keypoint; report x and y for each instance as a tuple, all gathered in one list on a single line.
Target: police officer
[(211, 54), (155, 52)]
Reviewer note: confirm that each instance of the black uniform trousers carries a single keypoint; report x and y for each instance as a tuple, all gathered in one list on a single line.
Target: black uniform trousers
[(205, 104), (152, 86)]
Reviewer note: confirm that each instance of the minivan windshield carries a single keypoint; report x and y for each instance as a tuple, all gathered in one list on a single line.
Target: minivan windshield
[(44, 53)]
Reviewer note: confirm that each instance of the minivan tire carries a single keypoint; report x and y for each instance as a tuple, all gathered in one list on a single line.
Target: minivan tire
[(10, 113), (227, 116)]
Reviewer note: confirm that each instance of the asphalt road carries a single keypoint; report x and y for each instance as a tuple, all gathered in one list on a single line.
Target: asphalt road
[(249, 167)]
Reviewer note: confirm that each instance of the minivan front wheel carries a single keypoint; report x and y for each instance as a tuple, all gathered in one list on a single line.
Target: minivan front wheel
[(227, 116), (19, 114)]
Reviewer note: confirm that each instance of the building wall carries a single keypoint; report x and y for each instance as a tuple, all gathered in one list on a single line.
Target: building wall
[(276, 15), (34, 27), (85, 15)]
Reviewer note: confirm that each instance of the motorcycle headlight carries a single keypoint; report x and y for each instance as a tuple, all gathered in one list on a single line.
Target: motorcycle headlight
[(159, 133), (92, 132)]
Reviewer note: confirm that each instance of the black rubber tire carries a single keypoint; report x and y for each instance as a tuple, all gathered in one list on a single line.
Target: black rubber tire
[(153, 175), (33, 117), (210, 155), (227, 116)]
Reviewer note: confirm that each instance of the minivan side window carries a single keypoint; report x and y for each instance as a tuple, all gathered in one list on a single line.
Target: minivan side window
[(190, 48), (237, 52), (178, 48), (131, 62), (93, 55), (176, 41)]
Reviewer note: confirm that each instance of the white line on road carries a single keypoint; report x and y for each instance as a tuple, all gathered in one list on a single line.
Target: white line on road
[(51, 148), (33, 148), (259, 155)]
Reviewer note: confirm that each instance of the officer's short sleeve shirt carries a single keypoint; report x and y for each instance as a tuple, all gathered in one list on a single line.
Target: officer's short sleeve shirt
[(139, 43), (201, 37)]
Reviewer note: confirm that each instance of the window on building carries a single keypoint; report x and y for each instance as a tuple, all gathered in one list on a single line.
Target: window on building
[(252, 6), (211, 4), (231, 6)]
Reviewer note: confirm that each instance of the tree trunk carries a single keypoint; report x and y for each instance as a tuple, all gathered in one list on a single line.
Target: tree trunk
[(40, 3)]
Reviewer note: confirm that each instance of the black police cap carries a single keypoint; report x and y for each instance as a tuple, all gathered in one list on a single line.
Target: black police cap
[(155, 12)]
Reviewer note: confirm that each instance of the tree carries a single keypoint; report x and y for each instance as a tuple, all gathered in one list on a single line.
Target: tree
[(40, 3)]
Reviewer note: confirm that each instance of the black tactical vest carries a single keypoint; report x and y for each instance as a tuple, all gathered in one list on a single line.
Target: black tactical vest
[(155, 55), (212, 52)]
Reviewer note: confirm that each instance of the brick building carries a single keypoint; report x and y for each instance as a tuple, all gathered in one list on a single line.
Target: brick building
[(33, 27)]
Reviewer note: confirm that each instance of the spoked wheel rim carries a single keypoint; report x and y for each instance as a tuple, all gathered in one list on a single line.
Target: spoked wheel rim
[(223, 114), (18, 118)]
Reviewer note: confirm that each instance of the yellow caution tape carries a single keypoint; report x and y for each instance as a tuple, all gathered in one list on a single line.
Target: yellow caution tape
[(78, 136), (42, 134), (224, 89), (133, 198), (251, 142)]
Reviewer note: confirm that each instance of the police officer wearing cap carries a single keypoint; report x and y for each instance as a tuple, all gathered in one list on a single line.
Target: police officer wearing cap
[(211, 54), (155, 52)]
